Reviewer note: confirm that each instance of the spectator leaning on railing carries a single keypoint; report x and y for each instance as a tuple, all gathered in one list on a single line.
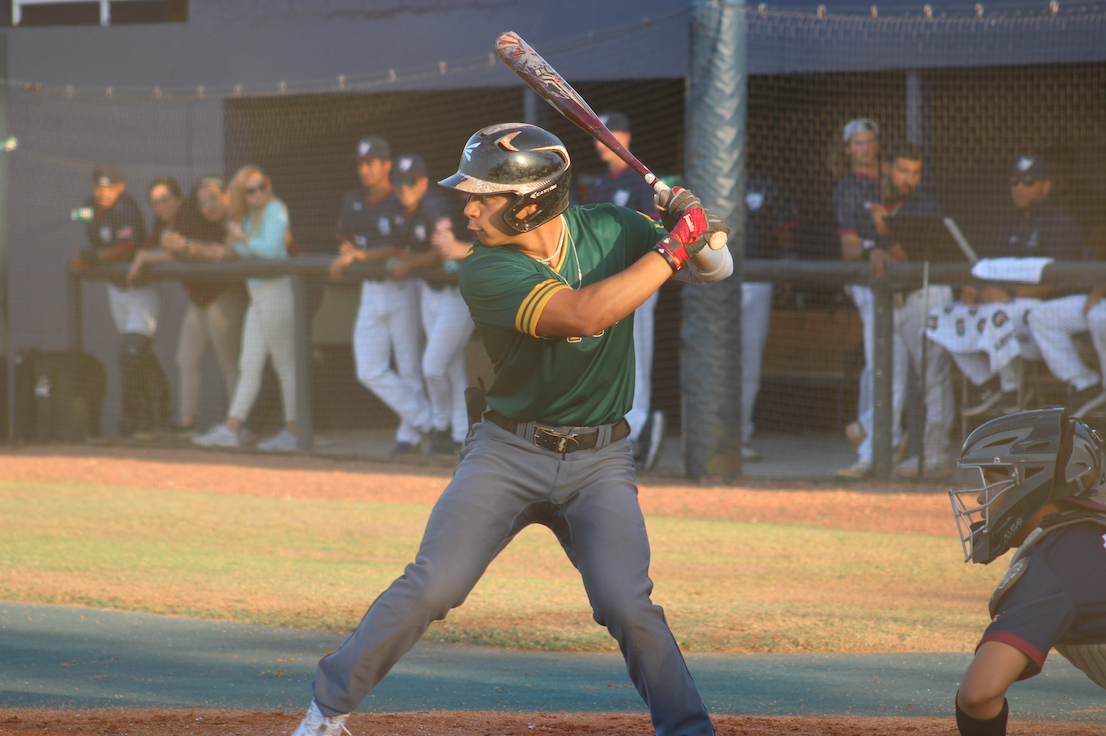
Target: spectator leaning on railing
[(259, 229), (216, 308), (115, 232)]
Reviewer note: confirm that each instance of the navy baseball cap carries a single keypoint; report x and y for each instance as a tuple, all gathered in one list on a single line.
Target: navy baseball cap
[(1034, 166), (108, 174), (410, 165), (615, 122), (373, 147)]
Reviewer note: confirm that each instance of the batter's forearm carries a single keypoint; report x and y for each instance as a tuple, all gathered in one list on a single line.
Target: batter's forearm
[(594, 308)]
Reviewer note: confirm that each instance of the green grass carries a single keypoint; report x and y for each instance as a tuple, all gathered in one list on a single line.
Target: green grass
[(725, 586)]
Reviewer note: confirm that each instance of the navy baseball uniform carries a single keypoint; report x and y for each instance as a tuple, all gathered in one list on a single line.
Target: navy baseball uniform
[(387, 327)]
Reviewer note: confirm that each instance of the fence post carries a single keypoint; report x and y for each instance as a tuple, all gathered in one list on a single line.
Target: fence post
[(304, 431), (883, 379), (74, 318)]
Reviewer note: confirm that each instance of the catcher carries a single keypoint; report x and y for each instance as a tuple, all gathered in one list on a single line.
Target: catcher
[(1038, 470)]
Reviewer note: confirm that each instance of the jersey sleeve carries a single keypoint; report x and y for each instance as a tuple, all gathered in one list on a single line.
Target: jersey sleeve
[(505, 292)]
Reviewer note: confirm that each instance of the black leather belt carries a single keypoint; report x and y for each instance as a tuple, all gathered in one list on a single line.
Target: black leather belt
[(559, 439)]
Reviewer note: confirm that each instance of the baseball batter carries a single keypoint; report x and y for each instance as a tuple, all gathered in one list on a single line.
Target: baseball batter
[(552, 292), (1038, 470), (387, 324)]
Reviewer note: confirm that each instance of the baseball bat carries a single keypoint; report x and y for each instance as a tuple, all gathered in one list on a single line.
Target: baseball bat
[(544, 79)]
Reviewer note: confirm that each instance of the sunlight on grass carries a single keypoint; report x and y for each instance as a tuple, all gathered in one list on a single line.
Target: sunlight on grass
[(725, 586)]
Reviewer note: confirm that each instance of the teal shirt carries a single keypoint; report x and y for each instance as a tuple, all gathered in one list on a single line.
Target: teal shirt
[(268, 235), (568, 381)]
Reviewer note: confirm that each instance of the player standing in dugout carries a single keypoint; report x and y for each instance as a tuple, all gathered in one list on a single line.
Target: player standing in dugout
[(552, 291)]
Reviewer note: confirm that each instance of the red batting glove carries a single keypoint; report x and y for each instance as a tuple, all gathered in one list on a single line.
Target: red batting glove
[(686, 239), (672, 203)]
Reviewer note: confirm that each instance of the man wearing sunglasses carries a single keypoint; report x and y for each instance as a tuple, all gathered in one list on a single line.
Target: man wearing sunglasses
[(1040, 229)]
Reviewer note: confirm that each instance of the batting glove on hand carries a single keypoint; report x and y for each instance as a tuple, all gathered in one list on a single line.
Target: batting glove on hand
[(715, 226), (672, 203), (687, 238)]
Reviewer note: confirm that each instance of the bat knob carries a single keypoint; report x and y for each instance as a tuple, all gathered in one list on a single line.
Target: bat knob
[(717, 241)]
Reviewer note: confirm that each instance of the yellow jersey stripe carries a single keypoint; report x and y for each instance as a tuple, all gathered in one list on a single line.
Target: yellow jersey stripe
[(532, 330), (526, 318)]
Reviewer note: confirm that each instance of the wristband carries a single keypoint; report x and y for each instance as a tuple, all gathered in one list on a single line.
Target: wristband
[(676, 257)]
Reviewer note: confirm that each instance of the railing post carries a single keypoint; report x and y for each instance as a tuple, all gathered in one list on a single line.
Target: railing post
[(304, 430), (74, 317), (882, 379)]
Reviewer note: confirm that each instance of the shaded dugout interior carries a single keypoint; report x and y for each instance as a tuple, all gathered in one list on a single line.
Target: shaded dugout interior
[(973, 122)]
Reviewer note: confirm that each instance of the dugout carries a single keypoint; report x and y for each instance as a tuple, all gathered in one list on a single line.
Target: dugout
[(294, 84)]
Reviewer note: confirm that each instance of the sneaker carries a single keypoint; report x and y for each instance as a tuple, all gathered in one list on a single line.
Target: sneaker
[(1084, 402), (283, 442), (405, 448), (856, 471), (749, 454), (656, 438), (987, 399), (314, 723), (217, 436), (855, 433)]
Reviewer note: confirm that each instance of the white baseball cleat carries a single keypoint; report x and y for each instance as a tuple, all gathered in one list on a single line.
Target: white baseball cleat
[(316, 724)]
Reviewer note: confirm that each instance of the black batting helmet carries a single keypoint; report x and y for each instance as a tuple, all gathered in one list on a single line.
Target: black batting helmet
[(519, 159), (1043, 456)]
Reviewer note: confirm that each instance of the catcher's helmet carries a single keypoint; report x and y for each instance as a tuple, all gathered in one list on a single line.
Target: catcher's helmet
[(519, 159), (1042, 456)]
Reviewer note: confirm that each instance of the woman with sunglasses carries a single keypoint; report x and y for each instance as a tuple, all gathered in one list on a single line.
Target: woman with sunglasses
[(259, 229), (214, 316)]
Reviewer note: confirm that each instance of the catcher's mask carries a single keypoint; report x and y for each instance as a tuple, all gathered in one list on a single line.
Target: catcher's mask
[(518, 159), (1023, 461)]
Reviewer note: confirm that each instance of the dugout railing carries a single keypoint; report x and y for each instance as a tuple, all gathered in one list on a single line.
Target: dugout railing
[(899, 277)]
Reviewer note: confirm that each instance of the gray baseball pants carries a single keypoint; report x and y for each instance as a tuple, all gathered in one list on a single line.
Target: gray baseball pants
[(504, 483)]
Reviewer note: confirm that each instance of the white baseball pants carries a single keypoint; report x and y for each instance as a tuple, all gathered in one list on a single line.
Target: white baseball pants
[(1052, 324), (756, 312), (388, 326), (448, 326), (134, 310)]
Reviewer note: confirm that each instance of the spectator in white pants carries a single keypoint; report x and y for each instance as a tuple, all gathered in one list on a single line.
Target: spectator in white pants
[(216, 309), (388, 319), (770, 221), (1052, 324), (259, 229), (622, 186)]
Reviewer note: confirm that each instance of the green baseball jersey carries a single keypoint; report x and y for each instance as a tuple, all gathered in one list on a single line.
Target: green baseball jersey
[(569, 381)]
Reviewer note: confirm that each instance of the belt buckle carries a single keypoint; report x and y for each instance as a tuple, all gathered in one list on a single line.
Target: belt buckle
[(554, 440)]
